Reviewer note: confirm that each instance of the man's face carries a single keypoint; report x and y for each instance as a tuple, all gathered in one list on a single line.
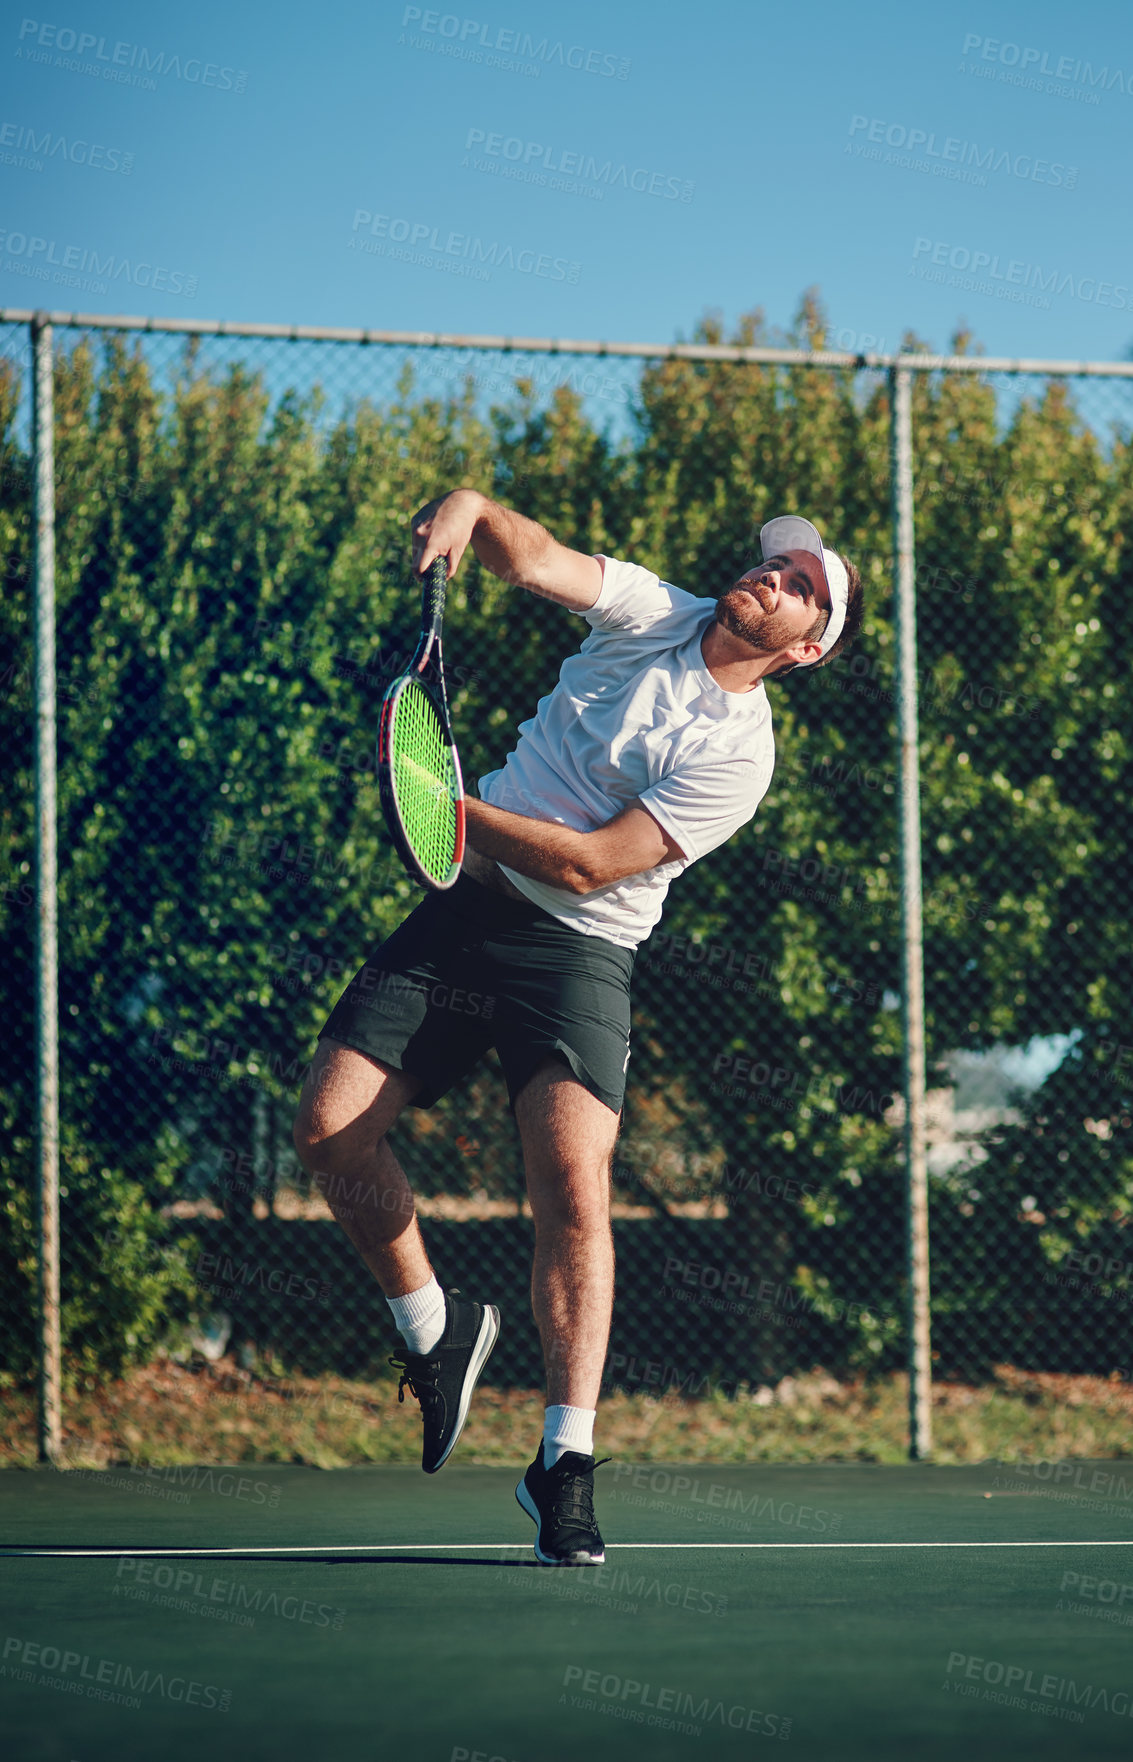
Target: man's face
[(774, 604)]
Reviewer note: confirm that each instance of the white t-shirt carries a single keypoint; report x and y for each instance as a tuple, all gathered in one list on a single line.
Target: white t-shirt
[(637, 716)]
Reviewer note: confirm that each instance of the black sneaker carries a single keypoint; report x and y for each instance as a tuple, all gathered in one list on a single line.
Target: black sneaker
[(443, 1379), (561, 1502)]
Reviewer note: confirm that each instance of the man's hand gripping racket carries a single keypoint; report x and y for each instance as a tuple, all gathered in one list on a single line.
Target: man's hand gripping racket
[(419, 778)]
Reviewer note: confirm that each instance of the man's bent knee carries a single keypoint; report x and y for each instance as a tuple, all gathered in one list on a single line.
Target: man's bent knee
[(348, 1104), (319, 1145), (583, 1211), (326, 1145)]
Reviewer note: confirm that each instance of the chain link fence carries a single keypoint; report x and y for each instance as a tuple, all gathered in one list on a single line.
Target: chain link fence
[(232, 597), (1023, 520)]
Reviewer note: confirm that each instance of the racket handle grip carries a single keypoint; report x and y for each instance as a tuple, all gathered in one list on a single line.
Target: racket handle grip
[(433, 604)]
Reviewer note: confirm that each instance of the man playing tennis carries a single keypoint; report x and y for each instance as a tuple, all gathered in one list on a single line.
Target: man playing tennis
[(654, 747)]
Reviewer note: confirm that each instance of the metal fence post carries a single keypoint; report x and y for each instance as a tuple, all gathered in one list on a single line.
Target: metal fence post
[(46, 920), (912, 940)]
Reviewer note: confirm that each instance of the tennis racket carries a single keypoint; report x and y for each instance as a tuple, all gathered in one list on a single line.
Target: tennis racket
[(419, 779)]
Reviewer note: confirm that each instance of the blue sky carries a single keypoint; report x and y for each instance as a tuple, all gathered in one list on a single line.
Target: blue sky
[(592, 171)]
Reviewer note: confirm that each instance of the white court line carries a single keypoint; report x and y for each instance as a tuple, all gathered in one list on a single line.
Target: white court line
[(10, 1549)]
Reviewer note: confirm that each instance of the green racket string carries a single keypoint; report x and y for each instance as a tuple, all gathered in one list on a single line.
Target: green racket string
[(424, 781)]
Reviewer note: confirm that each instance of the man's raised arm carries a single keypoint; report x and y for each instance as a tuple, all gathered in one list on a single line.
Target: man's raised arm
[(518, 550)]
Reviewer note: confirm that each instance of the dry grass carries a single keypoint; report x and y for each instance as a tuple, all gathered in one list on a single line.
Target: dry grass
[(173, 1413)]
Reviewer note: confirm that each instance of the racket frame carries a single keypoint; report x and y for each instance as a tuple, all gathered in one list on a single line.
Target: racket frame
[(426, 670)]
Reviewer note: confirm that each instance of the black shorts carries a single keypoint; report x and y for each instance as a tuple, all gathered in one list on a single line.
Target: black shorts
[(471, 969)]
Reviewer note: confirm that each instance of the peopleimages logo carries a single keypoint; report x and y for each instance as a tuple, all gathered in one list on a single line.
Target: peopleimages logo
[(127, 64), (201, 1594), (956, 153), (570, 168), (1013, 275), (83, 266), (468, 38), (106, 1679), (1027, 1686), (1021, 64), (427, 245), (26, 139), (670, 1708)]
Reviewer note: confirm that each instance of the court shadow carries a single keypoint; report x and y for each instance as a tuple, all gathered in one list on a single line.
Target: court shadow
[(253, 1556), (332, 1559)]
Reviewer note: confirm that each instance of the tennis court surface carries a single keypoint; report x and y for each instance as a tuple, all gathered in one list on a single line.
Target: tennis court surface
[(814, 1611)]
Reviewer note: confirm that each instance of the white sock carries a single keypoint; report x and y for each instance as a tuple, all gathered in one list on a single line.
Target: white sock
[(567, 1428), (420, 1316)]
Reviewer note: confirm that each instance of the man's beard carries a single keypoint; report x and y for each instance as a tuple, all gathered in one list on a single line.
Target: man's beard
[(769, 632)]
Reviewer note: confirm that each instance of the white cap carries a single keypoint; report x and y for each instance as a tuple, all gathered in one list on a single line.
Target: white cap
[(790, 532)]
